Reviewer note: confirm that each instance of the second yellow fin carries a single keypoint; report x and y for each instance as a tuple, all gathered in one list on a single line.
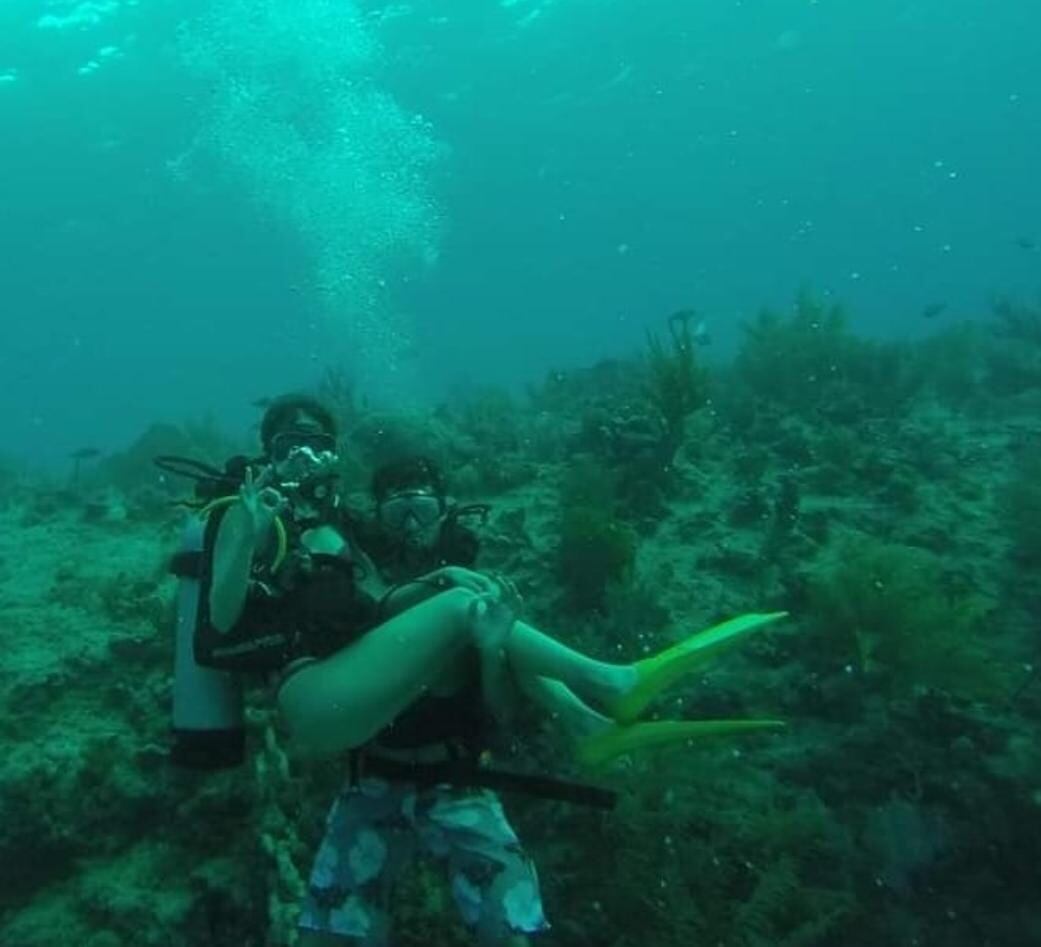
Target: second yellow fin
[(617, 740)]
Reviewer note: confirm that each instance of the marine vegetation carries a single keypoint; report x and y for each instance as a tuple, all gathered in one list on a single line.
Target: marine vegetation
[(1021, 509), (1017, 320), (1014, 355), (888, 497), (811, 364), (888, 610), (702, 853), (949, 365), (595, 548), (678, 383)]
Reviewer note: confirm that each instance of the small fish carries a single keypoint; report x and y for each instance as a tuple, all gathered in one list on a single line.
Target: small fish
[(933, 310), (701, 334), (1026, 243)]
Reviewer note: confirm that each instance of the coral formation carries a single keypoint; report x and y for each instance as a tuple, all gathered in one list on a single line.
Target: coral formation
[(595, 547), (886, 496), (1021, 508), (887, 609), (811, 365), (678, 383)]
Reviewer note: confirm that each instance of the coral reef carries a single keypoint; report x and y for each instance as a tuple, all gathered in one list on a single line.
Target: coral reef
[(1021, 508), (678, 383), (886, 496), (595, 547), (810, 364), (888, 609)]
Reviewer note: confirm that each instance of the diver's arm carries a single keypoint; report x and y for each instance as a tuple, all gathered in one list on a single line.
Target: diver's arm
[(401, 597), (232, 561), (245, 527)]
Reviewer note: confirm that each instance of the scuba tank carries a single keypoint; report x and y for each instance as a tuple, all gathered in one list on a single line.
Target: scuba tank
[(208, 722), (208, 726)]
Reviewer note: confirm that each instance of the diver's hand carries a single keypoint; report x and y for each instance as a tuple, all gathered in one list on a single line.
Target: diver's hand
[(261, 502), (492, 615), (490, 623), (449, 577)]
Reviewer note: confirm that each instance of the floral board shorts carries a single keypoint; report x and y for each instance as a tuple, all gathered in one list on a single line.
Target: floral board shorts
[(376, 828)]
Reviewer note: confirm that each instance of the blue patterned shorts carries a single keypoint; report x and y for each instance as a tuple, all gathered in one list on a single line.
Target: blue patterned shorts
[(376, 828)]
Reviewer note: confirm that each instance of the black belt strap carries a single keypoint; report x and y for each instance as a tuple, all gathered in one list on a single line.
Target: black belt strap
[(465, 773)]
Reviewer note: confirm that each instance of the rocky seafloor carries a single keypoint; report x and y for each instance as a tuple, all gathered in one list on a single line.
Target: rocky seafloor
[(887, 495)]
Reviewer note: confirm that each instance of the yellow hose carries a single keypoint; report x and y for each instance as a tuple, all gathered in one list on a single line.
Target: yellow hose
[(282, 538), (283, 544), (214, 504)]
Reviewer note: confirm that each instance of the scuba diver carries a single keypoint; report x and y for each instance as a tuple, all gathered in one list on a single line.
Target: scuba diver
[(415, 526), (407, 681)]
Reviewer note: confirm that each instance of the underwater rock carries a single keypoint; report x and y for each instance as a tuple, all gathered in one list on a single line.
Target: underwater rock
[(908, 839)]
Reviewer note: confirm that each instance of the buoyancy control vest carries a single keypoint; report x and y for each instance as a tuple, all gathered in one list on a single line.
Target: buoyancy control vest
[(301, 604), (304, 605)]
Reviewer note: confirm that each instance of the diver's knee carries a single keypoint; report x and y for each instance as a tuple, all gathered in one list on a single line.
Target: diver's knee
[(459, 605), (458, 602)]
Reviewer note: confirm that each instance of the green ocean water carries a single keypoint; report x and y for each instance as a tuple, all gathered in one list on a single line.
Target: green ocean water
[(576, 170)]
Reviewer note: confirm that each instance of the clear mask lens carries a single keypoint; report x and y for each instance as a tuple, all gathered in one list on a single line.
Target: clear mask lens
[(286, 444), (419, 509), (303, 463)]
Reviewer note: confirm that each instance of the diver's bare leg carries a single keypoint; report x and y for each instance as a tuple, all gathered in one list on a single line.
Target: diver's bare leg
[(564, 706), (533, 654), (342, 701)]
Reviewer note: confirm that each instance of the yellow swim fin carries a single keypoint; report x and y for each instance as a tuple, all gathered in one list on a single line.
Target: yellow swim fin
[(616, 740), (656, 673)]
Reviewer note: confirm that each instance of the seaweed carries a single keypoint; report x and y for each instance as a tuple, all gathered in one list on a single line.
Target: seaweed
[(594, 548), (1017, 321), (951, 363), (886, 610), (812, 365), (594, 551), (710, 850), (1020, 503), (1013, 359), (678, 383)]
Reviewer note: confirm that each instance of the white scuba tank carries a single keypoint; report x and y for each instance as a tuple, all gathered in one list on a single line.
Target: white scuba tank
[(208, 727)]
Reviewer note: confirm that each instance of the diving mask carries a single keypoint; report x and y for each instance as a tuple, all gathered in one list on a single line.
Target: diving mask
[(415, 509), (285, 443), (304, 464)]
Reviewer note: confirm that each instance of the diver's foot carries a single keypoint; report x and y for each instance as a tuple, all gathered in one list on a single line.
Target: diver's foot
[(651, 676), (576, 719), (605, 684), (587, 723), (620, 739)]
